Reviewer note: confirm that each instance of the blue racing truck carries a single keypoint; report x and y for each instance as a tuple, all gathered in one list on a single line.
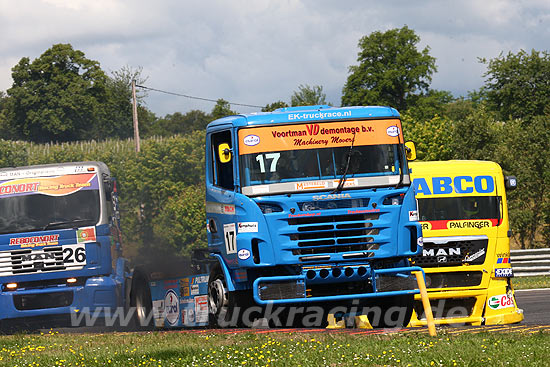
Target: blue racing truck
[(309, 209), (60, 248)]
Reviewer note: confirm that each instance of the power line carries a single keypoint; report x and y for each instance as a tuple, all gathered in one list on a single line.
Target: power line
[(193, 97)]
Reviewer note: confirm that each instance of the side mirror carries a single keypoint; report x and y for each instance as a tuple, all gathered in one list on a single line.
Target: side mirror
[(510, 182), (224, 152), (410, 150), (108, 186)]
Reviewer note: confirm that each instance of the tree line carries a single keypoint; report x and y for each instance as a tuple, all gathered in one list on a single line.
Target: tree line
[(61, 95)]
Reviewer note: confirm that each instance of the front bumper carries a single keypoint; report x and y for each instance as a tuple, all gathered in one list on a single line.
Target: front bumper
[(292, 289), (468, 307), (97, 296)]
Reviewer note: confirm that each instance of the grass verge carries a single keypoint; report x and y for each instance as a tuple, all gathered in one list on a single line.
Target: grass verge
[(295, 349), (540, 281)]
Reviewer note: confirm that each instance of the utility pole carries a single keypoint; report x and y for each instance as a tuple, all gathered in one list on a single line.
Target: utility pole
[(135, 116)]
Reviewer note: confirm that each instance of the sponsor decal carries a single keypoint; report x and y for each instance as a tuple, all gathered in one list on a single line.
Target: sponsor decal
[(189, 316), (503, 260), (247, 227), (201, 309), (347, 183), (285, 137), (243, 254), (52, 186), (500, 301), (426, 226), (475, 255), (420, 241), (300, 215), (504, 273), (34, 241), (413, 215), (228, 209), (230, 238), (251, 140), (459, 224), (194, 289), (392, 131), (458, 185), (311, 185), (171, 307), (85, 234), (220, 208)]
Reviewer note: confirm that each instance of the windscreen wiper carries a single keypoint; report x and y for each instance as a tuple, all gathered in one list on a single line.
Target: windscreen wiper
[(74, 222), (343, 178)]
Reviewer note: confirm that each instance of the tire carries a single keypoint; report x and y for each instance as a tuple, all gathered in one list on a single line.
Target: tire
[(229, 309), (141, 304), (387, 308)]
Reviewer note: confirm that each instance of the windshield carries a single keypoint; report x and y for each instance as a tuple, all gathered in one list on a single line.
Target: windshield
[(459, 208), (321, 151), (327, 163), (36, 204)]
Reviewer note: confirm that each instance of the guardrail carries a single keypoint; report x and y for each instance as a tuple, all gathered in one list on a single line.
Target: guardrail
[(530, 262)]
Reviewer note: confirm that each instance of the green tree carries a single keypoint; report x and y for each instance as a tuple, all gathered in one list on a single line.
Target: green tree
[(58, 96), (221, 109), (180, 226), (179, 123), (391, 70), (116, 113), (477, 136), (6, 131), (273, 106), (523, 151), (517, 84), (428, 105), (308, 96), (154, 182), (432, 138)]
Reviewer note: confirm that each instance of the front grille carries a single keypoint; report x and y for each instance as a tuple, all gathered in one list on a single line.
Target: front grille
[(28, 261), (333, 234), (447, 308), (452, 253), (281, 290), (454, 279), (37, 301), (45, 283), (332, 204)]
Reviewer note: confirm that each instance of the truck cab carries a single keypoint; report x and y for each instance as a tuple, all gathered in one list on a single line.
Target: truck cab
[(463, 211), (309, 206), (60, 245)]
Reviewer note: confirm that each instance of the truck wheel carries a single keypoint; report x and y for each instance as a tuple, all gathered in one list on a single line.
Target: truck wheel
[(392, 312), (218, 297), (141, 304), (229, 309)]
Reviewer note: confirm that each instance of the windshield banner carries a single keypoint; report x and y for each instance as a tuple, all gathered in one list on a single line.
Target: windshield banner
[(52, 186), (319, 135)]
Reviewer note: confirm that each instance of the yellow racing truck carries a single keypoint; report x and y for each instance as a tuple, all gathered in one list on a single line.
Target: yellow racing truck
[(466, 256)]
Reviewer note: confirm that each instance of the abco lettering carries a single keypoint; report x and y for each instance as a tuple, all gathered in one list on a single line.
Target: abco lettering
[(458, 184)]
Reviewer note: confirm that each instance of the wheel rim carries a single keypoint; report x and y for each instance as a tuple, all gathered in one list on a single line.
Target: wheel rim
[(217, 296)]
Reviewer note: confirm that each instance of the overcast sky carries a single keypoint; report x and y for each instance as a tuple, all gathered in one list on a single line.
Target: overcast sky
[(259, 51)]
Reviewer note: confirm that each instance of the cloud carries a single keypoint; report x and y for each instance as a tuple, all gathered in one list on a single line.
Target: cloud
[(257, 52)]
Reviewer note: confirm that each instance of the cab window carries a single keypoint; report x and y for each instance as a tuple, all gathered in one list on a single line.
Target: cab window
[(222, 167)]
